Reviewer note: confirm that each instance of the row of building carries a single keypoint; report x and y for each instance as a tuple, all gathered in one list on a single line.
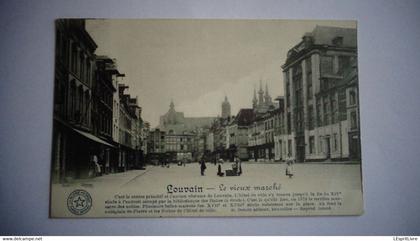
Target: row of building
[(317, 119), (94, 116)]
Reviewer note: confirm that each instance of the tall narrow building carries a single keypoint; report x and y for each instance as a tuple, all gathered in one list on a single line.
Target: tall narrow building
[(321, 109), (225, 108)]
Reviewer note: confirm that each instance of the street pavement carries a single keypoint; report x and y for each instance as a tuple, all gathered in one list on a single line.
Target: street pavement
[(308, 175)]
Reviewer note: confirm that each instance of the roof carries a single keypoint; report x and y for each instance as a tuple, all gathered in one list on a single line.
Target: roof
[(245, 116), (323, 37)]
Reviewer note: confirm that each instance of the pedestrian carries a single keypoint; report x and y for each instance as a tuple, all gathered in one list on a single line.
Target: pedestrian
[(219, 171), (235, 168), (238, 165), (202, 167), (96, 166), (289, 169)]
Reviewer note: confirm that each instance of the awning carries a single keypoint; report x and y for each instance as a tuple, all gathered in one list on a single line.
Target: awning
[(92, 137)]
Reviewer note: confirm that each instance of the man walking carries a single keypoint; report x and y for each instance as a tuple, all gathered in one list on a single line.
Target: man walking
[(202, 167)]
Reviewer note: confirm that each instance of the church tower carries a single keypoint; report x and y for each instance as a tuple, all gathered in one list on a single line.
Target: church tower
[(254, 100), (172, 106), (225, 108), (171, 116), (267, 97), (260, 96)]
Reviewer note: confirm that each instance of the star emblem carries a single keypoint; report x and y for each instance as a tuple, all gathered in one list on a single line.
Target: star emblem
[(79, 202)]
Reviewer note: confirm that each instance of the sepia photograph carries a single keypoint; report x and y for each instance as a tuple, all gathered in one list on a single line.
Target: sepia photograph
[(205, 117)]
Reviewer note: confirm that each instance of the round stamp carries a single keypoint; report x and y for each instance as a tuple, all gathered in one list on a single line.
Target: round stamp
[(79, 202)]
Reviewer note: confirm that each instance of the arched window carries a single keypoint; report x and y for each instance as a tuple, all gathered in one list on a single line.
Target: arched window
[(352, 97)]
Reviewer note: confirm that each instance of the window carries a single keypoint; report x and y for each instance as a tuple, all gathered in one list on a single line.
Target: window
[(287, 88), (299, 121), (308, 68), (72, 99), (343, 63), (318, 112), (320, 147), (327, 66), (326, 112), (289, 148), (342, 108), (88, 72), (311, 144), (79, 114), (333, 110), (335, 142), (352, 96), (310, 117), (337, 41), (309, 84), (353, 120), (82, 67), (308, 64)]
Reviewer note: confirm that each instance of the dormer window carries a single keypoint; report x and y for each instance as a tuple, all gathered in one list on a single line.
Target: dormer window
[(337, 41)]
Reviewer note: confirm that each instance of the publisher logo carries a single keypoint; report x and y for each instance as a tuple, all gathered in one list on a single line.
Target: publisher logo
[(79, 202)]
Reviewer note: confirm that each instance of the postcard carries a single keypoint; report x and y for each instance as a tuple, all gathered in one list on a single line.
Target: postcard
[(205, 117)]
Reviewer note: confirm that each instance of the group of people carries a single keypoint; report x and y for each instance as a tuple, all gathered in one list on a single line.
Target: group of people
[(236, 167)]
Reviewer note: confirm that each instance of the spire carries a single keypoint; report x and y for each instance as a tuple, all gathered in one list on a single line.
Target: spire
[(260, 95), (254, 100), (226, 99), (267, 97), (172, 106)]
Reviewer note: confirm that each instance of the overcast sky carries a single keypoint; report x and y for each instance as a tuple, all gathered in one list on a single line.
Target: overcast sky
[(197, 62)]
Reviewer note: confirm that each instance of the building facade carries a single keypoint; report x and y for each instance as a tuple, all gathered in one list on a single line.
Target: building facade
[(237, 133), (102, 112), (317, 125), (156, 151), (74, 73), (280, 137), (261, 137), (179, 147), (176, 122), (127, 117)]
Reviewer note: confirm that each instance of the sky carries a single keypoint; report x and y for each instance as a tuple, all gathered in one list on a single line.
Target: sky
[(196, 63)]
